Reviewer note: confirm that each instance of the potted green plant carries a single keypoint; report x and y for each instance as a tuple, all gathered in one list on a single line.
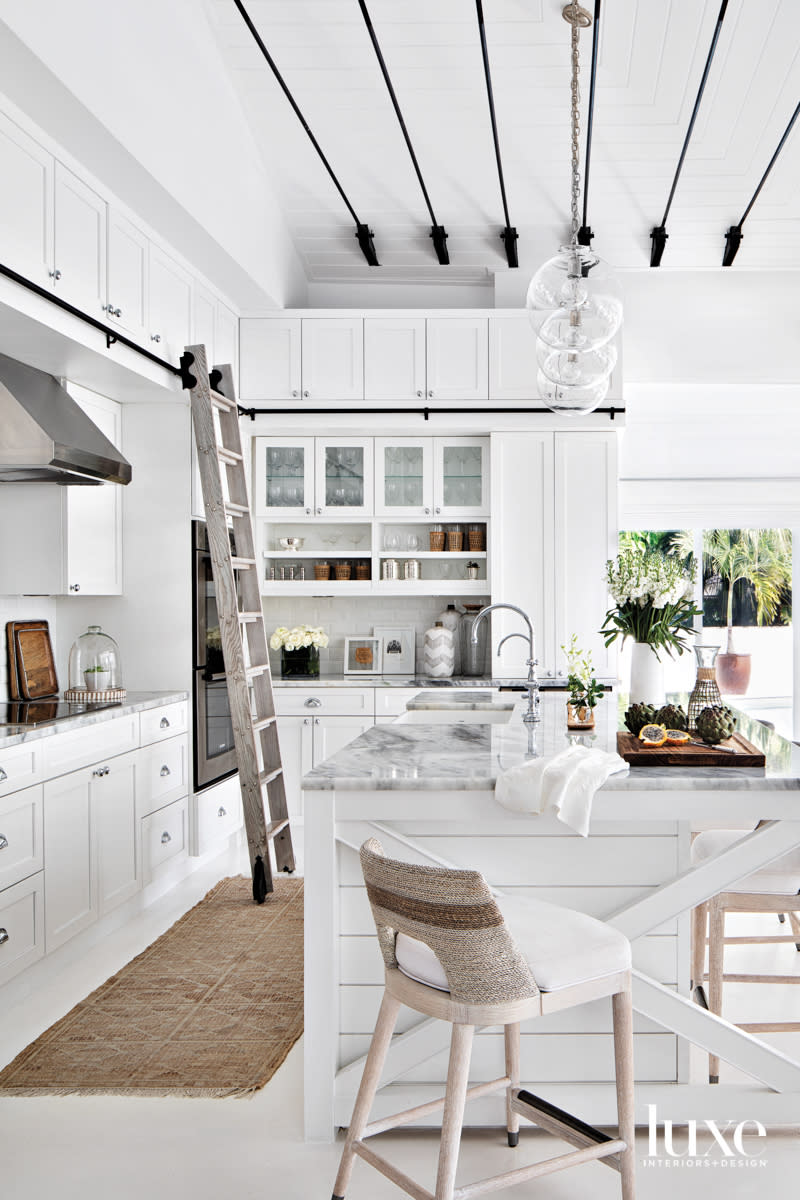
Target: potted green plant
[(584, 690), (97, 678), (299, 649)]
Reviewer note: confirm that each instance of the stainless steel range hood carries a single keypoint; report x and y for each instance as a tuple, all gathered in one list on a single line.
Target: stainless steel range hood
[(46, 437)]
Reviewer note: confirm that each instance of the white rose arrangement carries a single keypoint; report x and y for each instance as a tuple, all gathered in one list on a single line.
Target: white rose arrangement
[(298, 638), (653, 597)]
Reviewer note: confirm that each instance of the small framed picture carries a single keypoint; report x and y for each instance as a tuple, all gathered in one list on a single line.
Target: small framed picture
[(398, 643), (362, 656)]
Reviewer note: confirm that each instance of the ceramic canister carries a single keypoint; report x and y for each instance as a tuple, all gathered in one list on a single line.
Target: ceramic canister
[(438, 656), (451, 619)]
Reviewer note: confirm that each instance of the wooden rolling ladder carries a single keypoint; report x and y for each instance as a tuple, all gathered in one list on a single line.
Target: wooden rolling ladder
[(215, 417)]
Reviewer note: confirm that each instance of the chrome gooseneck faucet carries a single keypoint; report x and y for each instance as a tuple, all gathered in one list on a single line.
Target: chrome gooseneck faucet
[(532, 716)]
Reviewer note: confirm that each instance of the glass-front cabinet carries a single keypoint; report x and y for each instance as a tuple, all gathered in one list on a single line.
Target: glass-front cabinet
[(404, 477), (461, 476), (344, 478), (284, 476)]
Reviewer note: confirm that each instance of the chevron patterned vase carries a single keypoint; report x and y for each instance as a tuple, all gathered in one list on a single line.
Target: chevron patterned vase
[(438, 657)]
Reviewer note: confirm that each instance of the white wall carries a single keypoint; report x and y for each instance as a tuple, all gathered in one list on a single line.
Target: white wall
[(151, 74)]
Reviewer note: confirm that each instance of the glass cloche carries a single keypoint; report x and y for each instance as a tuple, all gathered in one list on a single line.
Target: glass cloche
[(94, 662)]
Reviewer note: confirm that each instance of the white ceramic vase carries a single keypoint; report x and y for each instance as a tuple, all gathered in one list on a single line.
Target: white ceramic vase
[(647, 676), (439, 655)]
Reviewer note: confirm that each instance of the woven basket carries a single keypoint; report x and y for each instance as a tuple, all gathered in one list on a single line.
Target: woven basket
[(322, 571), (342, 570), (437, 540), (475, 538), (455, 539), (84, 696)]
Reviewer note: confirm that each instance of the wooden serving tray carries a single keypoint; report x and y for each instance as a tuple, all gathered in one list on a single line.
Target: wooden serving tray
[(36, 668), (744, 753)]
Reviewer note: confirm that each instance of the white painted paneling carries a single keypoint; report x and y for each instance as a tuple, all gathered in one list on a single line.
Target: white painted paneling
[(26, 204), (128, 253), (512, 359), (270, 359), (333, 358), (458, 359), (170, 305), (394, 358), (80, 243)]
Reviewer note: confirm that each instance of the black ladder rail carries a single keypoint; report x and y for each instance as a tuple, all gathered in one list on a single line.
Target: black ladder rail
[(509, 235), (734, 235)]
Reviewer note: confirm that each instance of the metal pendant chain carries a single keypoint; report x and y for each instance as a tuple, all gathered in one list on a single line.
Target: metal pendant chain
[(578, 18)]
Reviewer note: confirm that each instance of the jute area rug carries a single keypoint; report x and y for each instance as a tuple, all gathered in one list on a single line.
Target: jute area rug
[(212, 1008)]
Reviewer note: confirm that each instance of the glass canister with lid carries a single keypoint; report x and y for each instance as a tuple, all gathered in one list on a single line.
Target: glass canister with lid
[(95, 669)]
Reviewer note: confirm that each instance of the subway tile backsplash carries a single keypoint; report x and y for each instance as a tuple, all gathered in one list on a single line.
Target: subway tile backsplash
[(25, 608), (348, 616)]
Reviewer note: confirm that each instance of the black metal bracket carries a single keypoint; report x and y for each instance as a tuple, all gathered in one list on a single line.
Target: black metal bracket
[(658, 236), (509, 238), (188, 380), (365, 236), (568, 1120), (110, 340), (426, 413), (585, 235), (439, 236), (733, 240), (214, 380)]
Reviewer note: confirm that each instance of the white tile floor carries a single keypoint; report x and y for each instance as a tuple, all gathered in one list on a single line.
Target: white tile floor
[(78, 1148)]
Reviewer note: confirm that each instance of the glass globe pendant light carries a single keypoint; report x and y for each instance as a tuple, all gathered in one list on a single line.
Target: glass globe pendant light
[(574, 301)]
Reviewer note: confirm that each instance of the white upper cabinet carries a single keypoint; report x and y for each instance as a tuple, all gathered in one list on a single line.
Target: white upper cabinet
[(461, 476), (26, 204), (227, 340), (170, 305), (512, 359), (204, 322), (458, 358), (344, 480), (333, 358), (404, 477), (128, 250), (283, 476), (80, 243), (271, 359), (93, 543), (394, 358)]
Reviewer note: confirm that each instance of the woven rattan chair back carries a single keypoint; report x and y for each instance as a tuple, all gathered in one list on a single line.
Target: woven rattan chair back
[(455, 914)]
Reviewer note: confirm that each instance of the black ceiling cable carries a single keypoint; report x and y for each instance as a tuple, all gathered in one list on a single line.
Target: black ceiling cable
[(509, 234), (658, 234), (585, 234), (437, 231), (733, 237), (363, 233)]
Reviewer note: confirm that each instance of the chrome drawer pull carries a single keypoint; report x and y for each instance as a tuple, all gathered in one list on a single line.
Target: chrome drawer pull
[(222, 812), (4, 936), (163, 723), (165, 838), (313, 702), (101, 771), (3, 841), (3, 775), (164, 771)]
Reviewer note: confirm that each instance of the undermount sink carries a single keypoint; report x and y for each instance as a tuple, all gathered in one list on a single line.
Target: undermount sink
[(444, 716)]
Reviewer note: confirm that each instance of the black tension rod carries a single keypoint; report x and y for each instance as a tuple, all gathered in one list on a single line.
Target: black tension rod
[(509, 234), (658, 234), (364, 234), (733, 238), (585, 234), (438, 233)]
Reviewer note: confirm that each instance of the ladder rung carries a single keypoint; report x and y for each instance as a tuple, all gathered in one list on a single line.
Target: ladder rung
[(242, 564), (222, 402), (245, 617), (236, 510), (275, 827), (266, 777), (232, 457), (262, 723), (251, 672)]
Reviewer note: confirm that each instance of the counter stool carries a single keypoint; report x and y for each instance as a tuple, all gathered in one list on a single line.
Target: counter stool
[(771, 889), (454, 952)]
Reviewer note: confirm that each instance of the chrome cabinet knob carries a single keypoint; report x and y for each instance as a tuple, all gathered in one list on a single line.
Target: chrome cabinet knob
[(306, 720), (112, 312), (295, 394), (438, 510), (319, 512), (427, 512), (55, 275), (313, 702), (316, 720), (101, 771), (74, 587), (163, 723), (165, 771), (222, 812), (420, 393), (3, 841), (155, 337), (3, 936), (306, 394), (165, 838), (308, 512), (430, 393)]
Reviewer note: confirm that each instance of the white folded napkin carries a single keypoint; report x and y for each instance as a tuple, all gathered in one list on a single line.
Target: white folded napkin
[(566, 782)]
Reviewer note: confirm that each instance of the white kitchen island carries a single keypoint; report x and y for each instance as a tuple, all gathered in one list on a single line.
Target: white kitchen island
[(425, 788)]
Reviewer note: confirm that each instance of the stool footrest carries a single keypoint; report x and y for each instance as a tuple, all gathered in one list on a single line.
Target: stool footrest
[(432, 1106), (563, 1124), (391, 1172)]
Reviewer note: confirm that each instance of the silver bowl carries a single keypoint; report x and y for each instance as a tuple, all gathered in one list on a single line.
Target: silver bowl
[(291, 543)]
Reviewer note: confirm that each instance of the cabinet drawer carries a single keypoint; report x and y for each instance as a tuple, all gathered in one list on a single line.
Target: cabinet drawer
[(20, 835), (164, 837), (163, 773), (219, 813), (20, 766), (21, 926), (345, 701), (70, 751), (157, 724), (391, 702)]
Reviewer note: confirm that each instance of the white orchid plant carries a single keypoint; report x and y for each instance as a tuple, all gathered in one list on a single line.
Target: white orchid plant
[(584, 690), (653, 594), (298, 638)]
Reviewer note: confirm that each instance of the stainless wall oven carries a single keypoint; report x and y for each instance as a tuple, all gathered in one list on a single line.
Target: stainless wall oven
[(213, 748)]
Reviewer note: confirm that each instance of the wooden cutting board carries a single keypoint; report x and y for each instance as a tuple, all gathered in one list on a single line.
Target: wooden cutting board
[(739, 753), (33, 653)]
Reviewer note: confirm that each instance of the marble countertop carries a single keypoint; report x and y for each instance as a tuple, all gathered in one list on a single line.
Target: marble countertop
[(469, 757), (414, 681), (12, 735), (462, 699)]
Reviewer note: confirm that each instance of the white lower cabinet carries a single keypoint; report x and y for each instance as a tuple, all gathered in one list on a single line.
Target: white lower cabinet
[(165, 835), (71, 893), (218, 813), (116, 830), (308, 740), (21, 926), (21, 844)]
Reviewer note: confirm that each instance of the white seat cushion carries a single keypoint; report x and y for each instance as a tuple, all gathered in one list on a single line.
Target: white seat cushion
[(781, 877), (563, 947)]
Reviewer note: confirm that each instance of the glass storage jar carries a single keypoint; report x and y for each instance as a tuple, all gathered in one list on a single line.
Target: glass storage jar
[(94, 662)]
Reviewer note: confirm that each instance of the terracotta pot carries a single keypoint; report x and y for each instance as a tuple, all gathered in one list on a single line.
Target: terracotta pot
[(733, 673)]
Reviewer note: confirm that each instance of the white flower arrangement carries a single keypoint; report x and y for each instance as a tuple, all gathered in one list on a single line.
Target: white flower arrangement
[(298, 638), (584, 690), (653, 597)]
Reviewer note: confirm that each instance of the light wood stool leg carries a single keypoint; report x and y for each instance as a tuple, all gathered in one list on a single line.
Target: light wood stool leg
[(384, 1028), (699, 922), (716, 951), (453, 1116), (795, 923), (622, 1011), (511, 1033)]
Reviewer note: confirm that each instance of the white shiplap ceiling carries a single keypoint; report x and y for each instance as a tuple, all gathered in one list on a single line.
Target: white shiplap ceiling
[(652, 55)]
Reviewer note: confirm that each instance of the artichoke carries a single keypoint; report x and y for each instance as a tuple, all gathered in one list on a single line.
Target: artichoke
[(639, 715), (715, 724), (673, 716)]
